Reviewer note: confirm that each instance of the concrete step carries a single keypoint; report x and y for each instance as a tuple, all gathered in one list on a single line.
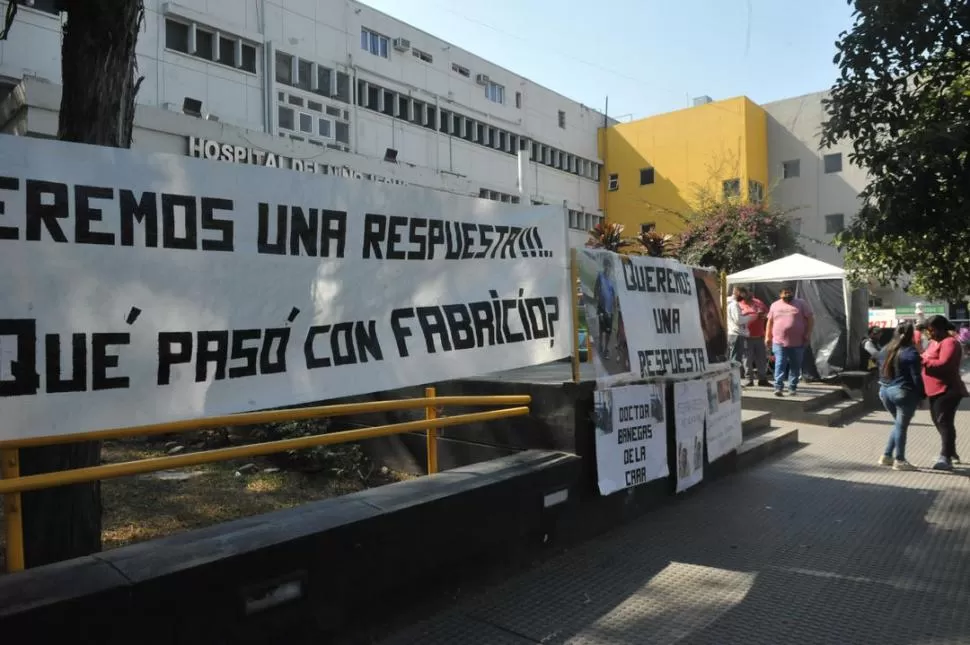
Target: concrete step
[(810, 399), (754, 421), (838, 414), (760, 447)]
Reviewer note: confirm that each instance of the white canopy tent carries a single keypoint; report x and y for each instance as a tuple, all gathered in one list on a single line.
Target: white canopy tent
[(798, 268), (789, 269)]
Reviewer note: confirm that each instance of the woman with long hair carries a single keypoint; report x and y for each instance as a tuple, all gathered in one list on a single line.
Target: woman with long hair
[(944, 386), (900, 390)]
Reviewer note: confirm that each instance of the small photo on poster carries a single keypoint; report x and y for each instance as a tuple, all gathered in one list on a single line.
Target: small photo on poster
[(603, 411), (708, 304), (599, 274)]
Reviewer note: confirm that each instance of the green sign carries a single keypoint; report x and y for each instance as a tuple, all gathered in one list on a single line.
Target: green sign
[(928, 310)]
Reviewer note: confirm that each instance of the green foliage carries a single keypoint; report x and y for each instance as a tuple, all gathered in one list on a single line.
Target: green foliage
[(732, 235), (903, 101), (608, 235)]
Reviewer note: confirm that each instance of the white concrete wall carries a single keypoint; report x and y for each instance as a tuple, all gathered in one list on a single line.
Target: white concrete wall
[(794, 132), (327, 33)]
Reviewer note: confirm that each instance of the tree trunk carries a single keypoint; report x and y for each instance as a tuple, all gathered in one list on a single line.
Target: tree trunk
[(98, 68)]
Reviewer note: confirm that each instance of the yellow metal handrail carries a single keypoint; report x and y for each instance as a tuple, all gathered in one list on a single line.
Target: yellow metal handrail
[(12, 484)]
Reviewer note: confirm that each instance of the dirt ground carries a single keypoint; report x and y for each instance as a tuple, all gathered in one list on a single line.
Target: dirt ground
[(153, 505)]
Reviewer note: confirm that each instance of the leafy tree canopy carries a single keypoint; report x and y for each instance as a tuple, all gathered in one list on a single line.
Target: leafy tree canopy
[(903, 101), (731, 235)]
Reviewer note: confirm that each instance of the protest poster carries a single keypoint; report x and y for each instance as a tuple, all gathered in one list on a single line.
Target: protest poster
[(631, 436), (690, 406), (724, 430), (145, 288), (650, 317)]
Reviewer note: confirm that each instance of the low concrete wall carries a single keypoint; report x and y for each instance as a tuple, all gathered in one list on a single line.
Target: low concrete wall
[(354, 558), (559, 415)]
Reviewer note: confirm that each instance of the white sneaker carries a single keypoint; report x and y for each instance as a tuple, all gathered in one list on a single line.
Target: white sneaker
[(902, 464), (885, 460)]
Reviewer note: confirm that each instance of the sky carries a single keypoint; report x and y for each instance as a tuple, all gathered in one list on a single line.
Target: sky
[(647, 56)]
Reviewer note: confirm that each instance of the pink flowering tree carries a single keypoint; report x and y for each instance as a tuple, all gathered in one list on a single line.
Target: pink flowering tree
[(733, 235)]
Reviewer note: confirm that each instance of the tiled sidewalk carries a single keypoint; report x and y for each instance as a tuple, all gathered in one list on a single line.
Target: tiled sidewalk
[(820, 546)]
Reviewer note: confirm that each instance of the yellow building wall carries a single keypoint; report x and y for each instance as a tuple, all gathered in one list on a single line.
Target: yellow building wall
[(691, 151)]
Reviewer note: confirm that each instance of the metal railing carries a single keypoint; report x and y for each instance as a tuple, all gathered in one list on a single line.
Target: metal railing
[(13, 484)]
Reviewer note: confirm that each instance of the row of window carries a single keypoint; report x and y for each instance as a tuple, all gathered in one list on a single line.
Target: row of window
[(379, 45), (834, 224), (496, 196), (311, 77), (210, 45), (581, 221), (421, 113), (831, 164), (304, 119)]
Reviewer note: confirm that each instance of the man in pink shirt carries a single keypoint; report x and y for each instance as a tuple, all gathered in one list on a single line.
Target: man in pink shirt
[(789, 329)]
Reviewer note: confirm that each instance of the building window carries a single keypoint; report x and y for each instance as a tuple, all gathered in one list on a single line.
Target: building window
[(649, 227), (731, 188), (177, 36), (461, 71), (495, 92), (834, 223), (832, 163), (285, 118), (47, 6), (756, 191), (248, 62), (284, 68), (203, 44), (646, 176), (373, 42), (791, 169), (227, 51), (304, 71), (420, 55), (518, 100), (326, 128), (796, 225), (614, 182), (562, 119)]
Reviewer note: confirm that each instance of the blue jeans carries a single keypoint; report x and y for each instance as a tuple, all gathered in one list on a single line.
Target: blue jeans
[(788, 361), (901, 404)]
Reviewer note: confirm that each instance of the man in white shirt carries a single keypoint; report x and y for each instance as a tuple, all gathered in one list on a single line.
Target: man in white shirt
[(737, 328)]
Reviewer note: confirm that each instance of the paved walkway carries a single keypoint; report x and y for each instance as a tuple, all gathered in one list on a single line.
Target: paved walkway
[(821, 546)]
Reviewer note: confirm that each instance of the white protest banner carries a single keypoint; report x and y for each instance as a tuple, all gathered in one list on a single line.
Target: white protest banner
[(650, 317), (724, 431), (631, 436), (690, 404), (144, 288)]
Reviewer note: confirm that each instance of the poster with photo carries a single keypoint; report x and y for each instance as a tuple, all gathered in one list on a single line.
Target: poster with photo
[(600, 299), (723, 414), (690, 408), (631, 436), (649, 317)]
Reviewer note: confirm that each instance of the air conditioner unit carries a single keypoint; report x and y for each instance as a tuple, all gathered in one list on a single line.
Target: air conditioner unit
[(402, 44), (481, 79)]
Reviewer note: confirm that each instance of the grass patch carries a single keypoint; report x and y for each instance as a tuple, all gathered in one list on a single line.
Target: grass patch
[(154, 505)]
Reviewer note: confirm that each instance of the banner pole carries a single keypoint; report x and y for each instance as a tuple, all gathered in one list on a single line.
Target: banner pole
[(574, 302), (724, 297), (13, 519)]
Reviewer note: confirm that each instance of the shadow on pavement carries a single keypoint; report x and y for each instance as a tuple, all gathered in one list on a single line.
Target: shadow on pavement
[(774, 556)]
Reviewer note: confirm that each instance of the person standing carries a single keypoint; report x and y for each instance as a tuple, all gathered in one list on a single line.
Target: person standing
[(789, 329), (737, 328), (606, 300), (944, 387), (757, 360), (900, 390)]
